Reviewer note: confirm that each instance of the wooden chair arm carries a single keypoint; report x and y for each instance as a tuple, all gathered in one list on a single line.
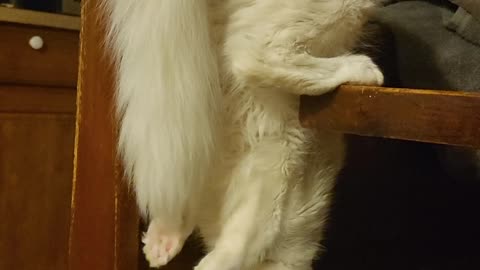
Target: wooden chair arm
[(443, 117)]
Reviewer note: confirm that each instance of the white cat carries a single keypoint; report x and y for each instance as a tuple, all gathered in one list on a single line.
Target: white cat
[(208, 102)]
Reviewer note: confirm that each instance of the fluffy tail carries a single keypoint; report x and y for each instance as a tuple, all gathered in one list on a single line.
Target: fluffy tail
[(167, 99)]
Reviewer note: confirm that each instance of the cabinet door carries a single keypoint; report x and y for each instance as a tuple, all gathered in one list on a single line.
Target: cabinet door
[(36, 159)]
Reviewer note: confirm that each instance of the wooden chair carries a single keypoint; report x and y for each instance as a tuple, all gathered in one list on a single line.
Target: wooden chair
[(105, 226)]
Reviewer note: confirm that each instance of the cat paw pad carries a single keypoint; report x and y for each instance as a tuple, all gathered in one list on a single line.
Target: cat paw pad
[(161, 246)]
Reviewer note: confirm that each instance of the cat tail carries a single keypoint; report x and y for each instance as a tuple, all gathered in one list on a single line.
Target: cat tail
[(167, 99)]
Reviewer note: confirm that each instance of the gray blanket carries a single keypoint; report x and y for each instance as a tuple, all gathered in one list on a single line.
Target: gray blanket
[(466, 21), (429, 55)]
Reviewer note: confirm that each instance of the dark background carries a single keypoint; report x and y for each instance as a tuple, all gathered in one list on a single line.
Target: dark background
[(397, 208)]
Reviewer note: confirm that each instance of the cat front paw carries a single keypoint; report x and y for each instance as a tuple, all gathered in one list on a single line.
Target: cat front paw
[(360, 69), (160, 244)]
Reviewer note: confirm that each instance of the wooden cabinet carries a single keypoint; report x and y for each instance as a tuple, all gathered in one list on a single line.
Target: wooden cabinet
[(37, 129), (35, 186)]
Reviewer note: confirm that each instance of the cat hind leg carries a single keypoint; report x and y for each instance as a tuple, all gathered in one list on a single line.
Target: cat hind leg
[(252, 210)]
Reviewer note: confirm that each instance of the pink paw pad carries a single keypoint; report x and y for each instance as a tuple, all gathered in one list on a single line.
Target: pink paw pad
[(161, 246)]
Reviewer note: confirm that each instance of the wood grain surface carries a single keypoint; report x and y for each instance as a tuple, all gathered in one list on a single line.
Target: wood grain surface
[(31, 99), (442, 117), (56, 64), (105, 225), (36, 153), (37, 18)]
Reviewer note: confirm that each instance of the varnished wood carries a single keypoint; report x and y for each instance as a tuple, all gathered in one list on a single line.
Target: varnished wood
[(37, 123), (37, 18), (36, 153), (105, 225), (443, 117), (56, 64), (31, 99)]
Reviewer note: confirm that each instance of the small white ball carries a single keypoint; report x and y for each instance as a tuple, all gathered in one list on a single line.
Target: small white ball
[(36, 42)]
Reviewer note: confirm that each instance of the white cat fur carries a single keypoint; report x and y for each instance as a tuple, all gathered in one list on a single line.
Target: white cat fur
[(207, 95)]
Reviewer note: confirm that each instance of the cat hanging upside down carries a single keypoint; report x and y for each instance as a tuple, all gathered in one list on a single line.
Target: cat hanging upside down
[(208, 96)]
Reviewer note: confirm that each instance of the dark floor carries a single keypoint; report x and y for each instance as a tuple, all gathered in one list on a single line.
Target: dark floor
[(396, 208)]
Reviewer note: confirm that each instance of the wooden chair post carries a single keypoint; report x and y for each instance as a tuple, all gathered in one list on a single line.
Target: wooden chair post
[(104, 222)]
